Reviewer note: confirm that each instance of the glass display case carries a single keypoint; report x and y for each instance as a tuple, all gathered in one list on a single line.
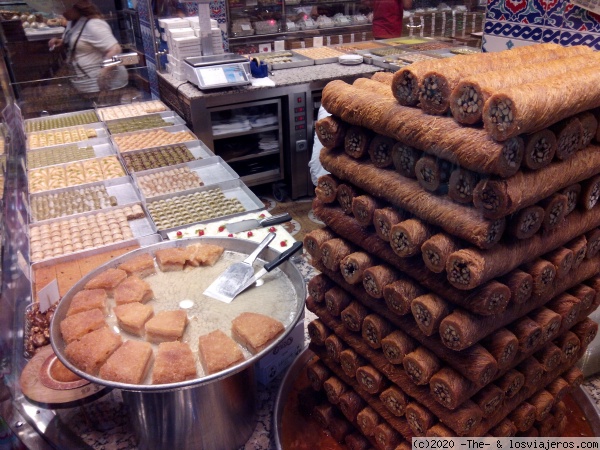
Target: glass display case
[(39, 74), (255, 25), (252, 23)]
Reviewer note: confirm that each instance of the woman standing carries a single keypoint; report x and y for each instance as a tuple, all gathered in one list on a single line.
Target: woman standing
[(88, 40), (387, 17)]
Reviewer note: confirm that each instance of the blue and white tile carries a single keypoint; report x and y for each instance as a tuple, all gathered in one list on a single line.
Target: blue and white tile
[(515, 31), (148, 41), (569, 38), (496, 10), (143, 10), (532, 14), (551, 35), (579, 19), (152, 77), (555, 10), (497, 43)]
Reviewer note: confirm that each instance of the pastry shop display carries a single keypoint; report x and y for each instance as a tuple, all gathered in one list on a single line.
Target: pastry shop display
[(165, 182), (177, 334), (436, 100), (388, 51), (59, 155), (483, 86), (72, 174), (37, 328), (61, 237), (219, 229), (278, 57), (318, 52), (138, 123), (131, 110), (154, 138), (160, 157), (67, 273), (464, 50), (190, 208), (61, 121), (111, 167), (415, 57), (66, 203), (469, 330), (48, 138), (430, 46)]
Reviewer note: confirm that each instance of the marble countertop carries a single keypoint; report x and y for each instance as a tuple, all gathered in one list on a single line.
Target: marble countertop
[(281, 78)]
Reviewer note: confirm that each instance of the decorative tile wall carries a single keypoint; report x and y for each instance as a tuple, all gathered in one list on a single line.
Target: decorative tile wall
[(511, 23), (218, 12)]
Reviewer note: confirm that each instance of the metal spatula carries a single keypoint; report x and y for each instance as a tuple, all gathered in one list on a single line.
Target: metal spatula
[(283, 257), (226, 285)]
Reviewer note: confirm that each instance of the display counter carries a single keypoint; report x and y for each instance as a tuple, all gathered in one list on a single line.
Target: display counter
[(294, 99), (42, 413)]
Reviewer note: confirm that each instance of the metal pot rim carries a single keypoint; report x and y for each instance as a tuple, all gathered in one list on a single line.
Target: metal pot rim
[(231, 244)]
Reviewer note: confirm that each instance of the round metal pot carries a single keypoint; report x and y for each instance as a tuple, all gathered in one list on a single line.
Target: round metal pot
[(215, 411)]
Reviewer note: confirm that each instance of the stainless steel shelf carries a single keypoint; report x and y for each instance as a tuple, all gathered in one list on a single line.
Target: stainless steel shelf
[(253, 156), (302, 33), (246, 133)]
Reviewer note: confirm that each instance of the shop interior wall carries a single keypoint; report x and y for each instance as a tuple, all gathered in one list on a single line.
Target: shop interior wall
[(511, 23)]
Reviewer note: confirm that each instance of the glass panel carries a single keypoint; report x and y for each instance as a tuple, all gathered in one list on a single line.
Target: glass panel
[(57, 66)]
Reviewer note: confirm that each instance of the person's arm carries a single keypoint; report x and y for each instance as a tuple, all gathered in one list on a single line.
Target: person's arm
[(55, 43), (106, 73)]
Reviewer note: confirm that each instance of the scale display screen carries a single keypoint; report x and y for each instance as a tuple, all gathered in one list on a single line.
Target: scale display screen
[(222, 75)]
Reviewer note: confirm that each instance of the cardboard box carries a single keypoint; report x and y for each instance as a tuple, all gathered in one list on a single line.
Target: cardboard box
[(271, 365)]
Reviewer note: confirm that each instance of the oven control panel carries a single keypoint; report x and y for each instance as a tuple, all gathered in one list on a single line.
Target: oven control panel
[(299, 122)]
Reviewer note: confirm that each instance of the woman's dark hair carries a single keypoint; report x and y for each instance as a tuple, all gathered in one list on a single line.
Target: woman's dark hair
[(87, 9)]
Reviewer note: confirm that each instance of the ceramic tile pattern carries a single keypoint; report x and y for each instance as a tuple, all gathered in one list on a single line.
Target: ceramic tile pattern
[(511, 23)]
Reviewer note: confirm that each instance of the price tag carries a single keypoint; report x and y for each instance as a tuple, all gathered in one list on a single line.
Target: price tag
[(279, 46), (264, 48), (48, 295), (246, 27), (352, 38), (318, 41)]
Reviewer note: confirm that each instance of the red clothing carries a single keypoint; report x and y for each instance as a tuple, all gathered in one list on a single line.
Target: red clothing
[(387, 18)]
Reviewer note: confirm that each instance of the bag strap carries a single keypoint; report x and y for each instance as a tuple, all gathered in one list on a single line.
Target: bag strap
[(71, 59), (72, 50)]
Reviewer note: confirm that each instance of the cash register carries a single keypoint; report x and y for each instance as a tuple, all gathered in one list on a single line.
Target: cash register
[(217, 71)]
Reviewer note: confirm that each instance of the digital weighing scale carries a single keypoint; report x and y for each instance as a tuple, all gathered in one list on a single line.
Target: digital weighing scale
[(217, 71)]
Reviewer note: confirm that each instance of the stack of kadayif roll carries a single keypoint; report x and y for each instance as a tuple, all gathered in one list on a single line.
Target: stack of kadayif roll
[(459, 262)]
